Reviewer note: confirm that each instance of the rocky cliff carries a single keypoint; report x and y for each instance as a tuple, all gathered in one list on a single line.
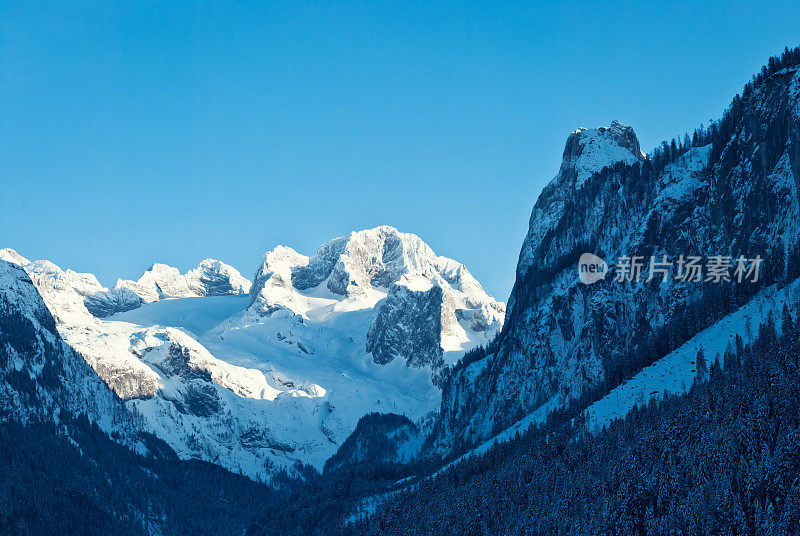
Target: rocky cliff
[(730, 191)]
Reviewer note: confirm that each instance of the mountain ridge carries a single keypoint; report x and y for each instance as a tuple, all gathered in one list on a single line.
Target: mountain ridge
[(259, 385), (726, 191)]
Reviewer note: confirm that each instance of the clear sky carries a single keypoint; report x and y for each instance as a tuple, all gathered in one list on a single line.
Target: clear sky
[(171, 132)]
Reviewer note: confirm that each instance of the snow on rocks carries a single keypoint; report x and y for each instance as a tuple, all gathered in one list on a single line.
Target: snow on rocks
[(356, 272), (259, 385), (210, 278)]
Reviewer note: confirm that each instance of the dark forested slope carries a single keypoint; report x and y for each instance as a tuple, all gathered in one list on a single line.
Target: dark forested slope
[(724, 459)]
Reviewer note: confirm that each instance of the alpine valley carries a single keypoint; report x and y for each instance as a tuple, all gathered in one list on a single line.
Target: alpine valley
[(376, 388)]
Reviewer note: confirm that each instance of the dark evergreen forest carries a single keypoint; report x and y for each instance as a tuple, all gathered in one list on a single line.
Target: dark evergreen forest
[(73, 479), (722, 459)]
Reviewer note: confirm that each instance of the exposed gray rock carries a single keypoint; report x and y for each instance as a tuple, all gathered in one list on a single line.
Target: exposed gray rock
[(563, 338), (408, 326), (433, 307), (109, 302), (40, 375)]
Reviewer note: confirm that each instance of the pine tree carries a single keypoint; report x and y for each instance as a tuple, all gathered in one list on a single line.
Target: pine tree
[(701, 365)]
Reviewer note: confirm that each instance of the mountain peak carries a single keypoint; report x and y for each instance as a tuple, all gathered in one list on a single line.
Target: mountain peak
[(10, 255), (395, 273), (370, 258), (587, 151), (378, 231), (159, 268), (210, 278)]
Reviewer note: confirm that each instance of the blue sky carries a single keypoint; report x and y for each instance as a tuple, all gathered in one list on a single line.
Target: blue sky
[(171, 132)]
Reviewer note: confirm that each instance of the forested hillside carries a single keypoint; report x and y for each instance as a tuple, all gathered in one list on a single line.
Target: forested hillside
[(73, 479), (720, 455), (728, 189), (723, 459)]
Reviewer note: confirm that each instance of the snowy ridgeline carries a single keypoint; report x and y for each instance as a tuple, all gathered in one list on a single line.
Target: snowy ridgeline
[(723, 191), (258, 382)]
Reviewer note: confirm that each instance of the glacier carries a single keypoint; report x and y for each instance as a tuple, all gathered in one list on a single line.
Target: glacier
[(266, 378)]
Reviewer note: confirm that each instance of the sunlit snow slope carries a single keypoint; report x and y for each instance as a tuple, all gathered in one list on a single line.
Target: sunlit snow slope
[(263, 382)]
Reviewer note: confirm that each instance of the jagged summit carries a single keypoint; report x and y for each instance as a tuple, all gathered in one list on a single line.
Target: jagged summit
[(589, 150), (210, 278), (618, 132), (731, 190), (363, 260), (431, 303), (586, 153), (159, 281)]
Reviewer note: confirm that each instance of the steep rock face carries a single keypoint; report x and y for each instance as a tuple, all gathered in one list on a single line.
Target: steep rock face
[(387, 270), (58, 467), (408, 325), (215, 278), (117, 300), (735, 195), (273, 285), (65, 292), (40, 375)]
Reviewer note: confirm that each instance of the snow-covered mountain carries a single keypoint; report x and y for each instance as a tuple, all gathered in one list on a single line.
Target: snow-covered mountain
[(260, 384), (363, 358), (731, 191), (40, 375), (428, 309), (210, 278)]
